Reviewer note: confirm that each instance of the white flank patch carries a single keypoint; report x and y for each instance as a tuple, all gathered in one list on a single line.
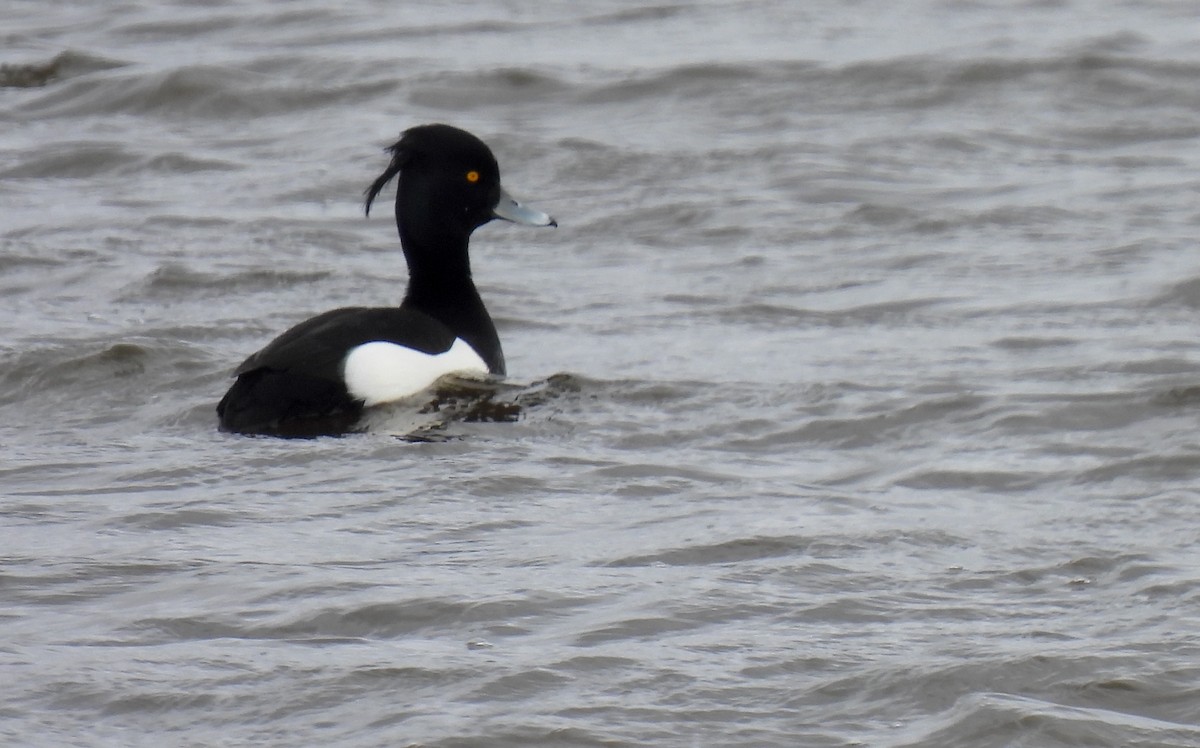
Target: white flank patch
[(380, 372)]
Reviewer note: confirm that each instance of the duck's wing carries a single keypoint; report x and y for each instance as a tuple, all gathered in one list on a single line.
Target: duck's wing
[(319, 345)]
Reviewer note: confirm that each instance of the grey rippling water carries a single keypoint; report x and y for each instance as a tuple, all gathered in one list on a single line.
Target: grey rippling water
[(858, 388)]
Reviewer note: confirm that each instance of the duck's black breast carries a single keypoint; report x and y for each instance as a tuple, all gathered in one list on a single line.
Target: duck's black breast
[(297, 385)]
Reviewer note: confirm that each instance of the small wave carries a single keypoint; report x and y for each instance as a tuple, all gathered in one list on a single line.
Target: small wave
[(991, 718), (353, 621), (1033, 342), (173, 280), (635, 15), (761, 313), (88, 159), (177, 519), (728, 552), (1092, 75), (64, 384), (872, 425), (60, 67), (204, 91), (40, 371), (1179, 397), (1000, 481), (701, 81), (1185, 293), (466, 91), (1150, 468)]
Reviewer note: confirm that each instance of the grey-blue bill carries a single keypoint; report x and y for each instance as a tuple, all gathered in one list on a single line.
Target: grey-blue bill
[(511, 210)]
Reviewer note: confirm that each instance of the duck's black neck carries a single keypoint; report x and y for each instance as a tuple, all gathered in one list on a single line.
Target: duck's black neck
[(440, 285)]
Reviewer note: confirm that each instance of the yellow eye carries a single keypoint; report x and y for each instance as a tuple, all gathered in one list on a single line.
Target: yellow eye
[(472, 177)]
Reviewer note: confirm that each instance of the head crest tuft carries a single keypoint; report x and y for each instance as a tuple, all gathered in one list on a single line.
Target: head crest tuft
[(399, 158)]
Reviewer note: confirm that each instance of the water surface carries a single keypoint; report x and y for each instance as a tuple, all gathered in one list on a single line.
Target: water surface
[(859, 382)]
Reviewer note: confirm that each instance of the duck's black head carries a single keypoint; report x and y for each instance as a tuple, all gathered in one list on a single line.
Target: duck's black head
[(449, 185)]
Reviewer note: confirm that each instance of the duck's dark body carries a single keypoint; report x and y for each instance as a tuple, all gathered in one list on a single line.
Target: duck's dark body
[(295, 385), (318, 377)]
